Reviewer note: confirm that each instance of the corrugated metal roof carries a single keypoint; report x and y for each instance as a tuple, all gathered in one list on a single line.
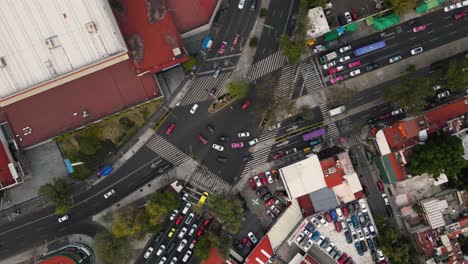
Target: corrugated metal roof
[(285, 224), (433, 209), (43, 40), (324, 199)]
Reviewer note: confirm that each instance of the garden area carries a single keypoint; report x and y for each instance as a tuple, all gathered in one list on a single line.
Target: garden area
[(96, 142)]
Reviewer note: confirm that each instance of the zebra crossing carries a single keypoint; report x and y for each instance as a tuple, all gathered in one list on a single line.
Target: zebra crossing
[(266, 65), (311, 76), (354, 140), (206, 180), (201, 86), (166, 150), (260, 156), (285, 82), (332, 130)]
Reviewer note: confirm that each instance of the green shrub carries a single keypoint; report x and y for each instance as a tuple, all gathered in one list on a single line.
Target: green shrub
[(126, 123), (89, 145), (263, 12), (253, 42)]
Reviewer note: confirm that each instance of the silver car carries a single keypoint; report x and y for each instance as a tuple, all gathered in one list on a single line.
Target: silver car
[(416, 51), (394, 59), (218, 147)]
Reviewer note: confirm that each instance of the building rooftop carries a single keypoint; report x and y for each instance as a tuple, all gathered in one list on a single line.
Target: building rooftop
[(303, 177), (318, 23), (189, 15), (433, 212), (149, 30), (6, 177), (262, 252), (281, 228), (59, 110), (48, 43)]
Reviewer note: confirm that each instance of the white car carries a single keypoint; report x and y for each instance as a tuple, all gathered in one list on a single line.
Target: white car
[(192, 231), (63, 219), (361, 236), (241, 4), (109, 193), (380, 254), (344, 226), (417, 50), (148, 252), (443, 95), (243, 134), (339, 213), (363, 205), (160, 250), (345, 58), (394, 59), (252, 237), (355, 72), (345, 48), (186, 208), (300, 237), (315, 221), (328, 65), (163, 260), (437, 87), (174, 214), (182, 232), (269, 177), (385, 198), (218, 147), (450, 8), (182, 244), (330, 247), (349, 19), (253, 141), (366, 232), (397, 112), (322, 220), (194, 109)]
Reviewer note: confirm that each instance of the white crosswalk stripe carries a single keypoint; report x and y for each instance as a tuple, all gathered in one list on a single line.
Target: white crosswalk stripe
[(285, 81), (260, 156), (166, 150), (266, 65), (201, 86), (206, 180), (311, 76), (332, 130), (353, 140)]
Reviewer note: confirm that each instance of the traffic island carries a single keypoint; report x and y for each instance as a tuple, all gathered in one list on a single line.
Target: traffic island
[(221, 102)]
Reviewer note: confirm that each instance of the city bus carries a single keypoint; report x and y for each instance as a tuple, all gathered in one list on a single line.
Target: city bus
[(370, 48), (314, 134), (328, 57)]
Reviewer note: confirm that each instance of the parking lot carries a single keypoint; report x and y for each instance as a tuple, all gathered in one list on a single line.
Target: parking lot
[(326, 231)]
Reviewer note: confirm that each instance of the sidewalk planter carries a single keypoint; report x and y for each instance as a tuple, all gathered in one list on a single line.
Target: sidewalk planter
[(221, 102)]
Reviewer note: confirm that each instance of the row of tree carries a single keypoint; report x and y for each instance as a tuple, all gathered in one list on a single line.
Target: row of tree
[(395, 247), (412, 93)]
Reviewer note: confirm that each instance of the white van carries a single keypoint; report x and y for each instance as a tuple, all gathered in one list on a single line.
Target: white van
[(337, 111), (186, 208), (187, 256)]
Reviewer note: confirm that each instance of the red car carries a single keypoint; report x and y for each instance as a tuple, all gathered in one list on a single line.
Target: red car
[(222, 48), (200, 231), (202, 139), (381, 186), (343, 258), (328, 217), (277, 156), (206, 222), (252, 184), (263, 178), (237, 145), (354, 64), (246, 104), (345, 211), (270, 202), (458, 16), (419, 28), (170, 128), (179, 219), (338, 227), (235, 40), (333, 70), (247, 242)]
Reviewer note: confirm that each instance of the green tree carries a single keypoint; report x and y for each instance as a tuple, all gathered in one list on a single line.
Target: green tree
[(128, 223), (292, 50), (228, 211), (410, 94), (401, 7), (238, 89), (158, 208), (90, 145), (203, 248), (263, 12), (189, 64), (60, 193), (440, 154), (112, 250), (463, 241), (253, 41), (453, 77)]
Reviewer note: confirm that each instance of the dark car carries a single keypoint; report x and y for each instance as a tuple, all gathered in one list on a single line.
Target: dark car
[(357, 207), (334, 215), (366, 216), (275, 174), (364, 246), (267, 196), (376, 242), (355, 221), (247, 157), (221, 159), (375, 256), (348, 236), (372, 66), (238, 245), (158, 237), (281, 193), (381, 186), (210, 128), (325, 243), (358, 247), (351, 208), (261, 192), (224, 138), (171, 247), (370, 244)]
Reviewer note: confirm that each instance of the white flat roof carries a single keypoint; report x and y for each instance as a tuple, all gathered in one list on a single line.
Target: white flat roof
[(45, 39), (382, 143), (303, 177), (318, 23)]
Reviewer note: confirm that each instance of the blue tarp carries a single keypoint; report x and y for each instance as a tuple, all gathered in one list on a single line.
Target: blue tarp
[(206, 41)]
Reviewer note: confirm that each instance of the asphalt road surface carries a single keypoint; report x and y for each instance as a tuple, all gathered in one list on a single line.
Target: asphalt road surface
[(30, 230), (441, 29)]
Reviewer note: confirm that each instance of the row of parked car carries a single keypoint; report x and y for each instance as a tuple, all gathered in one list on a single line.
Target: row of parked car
[(263, 178)]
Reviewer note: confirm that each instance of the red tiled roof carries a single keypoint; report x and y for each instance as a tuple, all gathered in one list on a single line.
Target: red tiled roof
[(262, 251), (57, 260), (191, 14), (101, 93), (307, 208), (6, 179), (158, 38), (214, 258), (399, 170), (359, 195), (335, 178)]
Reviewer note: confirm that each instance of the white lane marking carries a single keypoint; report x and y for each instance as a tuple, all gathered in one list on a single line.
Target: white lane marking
[(453, 32), (429, 32), (365, 116), (428, 24), (449, 25), (224, 57), (390, 37), (434, 39), (412, 38), (446, 17)]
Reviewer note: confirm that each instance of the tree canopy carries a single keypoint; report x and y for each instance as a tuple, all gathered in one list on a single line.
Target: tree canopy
[(112, 250), (228, 211), (393, 245), (128, 223), (453, 77), (401, 7), (440, 154), (410, 94), (239, 89), (60, 193), (158, 208), (210, 240), (292, 49)]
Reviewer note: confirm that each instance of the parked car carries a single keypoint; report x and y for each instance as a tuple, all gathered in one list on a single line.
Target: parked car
[(396, 112), (380, 254), (320, 240), (370, 244), (241, 4), (336, 79), (338, 227), (190, 217), (450, 8), (322, 220), (355, 72), (394, 59), (361, 218), (235, 145), (243, 134), (275, 210), (270, 202), (345, 48), (459, 15), (329, 64), (363, 246), (171, 233), (339, 213), (443, 94), (174, 214), (248, 157), (182, 232), (261, 191), (257, 180), (246, 104), (345, 211), (348, 17), (385, 198), (354, 64), (349, 239), (222, 47), (334, 215), (270, 214), (160, 250), (362, 203), (247, 242), (277, 156), (371, 66), (269, 177), (419, 28), (334, 70), (202, 139), (417, 50), (253, 141), (328, 217), (263, 178), (217, 147), (345, 58), (235, 40), (252, 237), (359, 248), (355, 222), (170, 128), (179, 219), (267, 196)]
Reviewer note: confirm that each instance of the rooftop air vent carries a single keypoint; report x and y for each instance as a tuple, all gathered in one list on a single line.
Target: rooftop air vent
[(91, 27), (2, 62), (52, 42)]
